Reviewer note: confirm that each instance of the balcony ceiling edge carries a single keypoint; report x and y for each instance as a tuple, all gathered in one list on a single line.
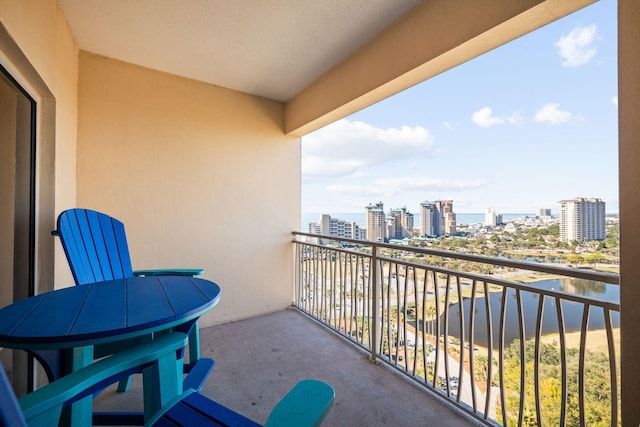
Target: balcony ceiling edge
[(430, 39)]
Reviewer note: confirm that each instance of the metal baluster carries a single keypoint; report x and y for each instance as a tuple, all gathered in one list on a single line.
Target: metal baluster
[(612, 368), (536, 362), (487, 302), (446, 331), (563, 361), (462, 340), (523, 358), (436, 293), (472, 369), (581, 361), (503, 315)]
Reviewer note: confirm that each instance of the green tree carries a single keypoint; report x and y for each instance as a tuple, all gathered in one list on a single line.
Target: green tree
[(597, 386), (595, 258), (553, 230), (575, 259)]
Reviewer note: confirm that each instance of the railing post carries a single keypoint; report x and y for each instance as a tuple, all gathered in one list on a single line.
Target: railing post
[(375, 302), (297, 272)]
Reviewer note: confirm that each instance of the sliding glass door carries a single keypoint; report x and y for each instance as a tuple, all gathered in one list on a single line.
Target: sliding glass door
[(17, 205)]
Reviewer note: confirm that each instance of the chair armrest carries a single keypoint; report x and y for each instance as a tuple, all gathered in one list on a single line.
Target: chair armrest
[(307, 404), (43, 406), (170, 272), (198, 374)]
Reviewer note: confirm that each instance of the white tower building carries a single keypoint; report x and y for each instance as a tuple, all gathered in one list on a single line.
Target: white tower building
[(492, 217), (582, 219), (376, 227)]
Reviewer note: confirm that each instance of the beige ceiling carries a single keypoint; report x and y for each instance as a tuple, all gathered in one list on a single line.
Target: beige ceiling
[(271, 48)]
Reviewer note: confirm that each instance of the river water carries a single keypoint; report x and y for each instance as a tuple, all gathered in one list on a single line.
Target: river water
[(572, 311)]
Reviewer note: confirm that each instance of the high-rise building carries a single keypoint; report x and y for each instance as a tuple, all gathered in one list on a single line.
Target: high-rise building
[(492, 217), (582, 219), (357, 232), (407, 226), (391, 227), (399, 223), (437, 218), (543, 213), (449, 216), (429, 219), (376, 226), (337, 227)]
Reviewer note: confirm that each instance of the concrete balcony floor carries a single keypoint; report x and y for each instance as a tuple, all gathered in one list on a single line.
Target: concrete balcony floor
[(259, 359)]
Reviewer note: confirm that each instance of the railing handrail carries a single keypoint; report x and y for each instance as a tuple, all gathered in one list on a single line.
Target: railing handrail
[(610, 278)]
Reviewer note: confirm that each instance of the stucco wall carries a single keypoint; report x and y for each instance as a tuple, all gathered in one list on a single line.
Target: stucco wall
[(201, 176), (32, 24)]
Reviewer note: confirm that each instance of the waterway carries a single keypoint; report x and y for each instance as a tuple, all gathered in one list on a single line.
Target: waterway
[(572, 311)]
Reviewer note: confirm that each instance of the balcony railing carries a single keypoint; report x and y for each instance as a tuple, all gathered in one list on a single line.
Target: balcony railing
[(470, 330)]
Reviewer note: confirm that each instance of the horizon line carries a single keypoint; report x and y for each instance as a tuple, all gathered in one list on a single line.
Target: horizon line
[(463, 213)]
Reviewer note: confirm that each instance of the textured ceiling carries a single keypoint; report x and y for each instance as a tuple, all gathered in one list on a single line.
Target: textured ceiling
[(271, 48)]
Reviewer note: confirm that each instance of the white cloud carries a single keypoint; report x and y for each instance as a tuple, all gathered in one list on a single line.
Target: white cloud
[(345, 147), (357, 190), (389, 188), (428, 183), (577, 48), (614, 100), (484, 117), (551, 113), (516, 118), (451, 125), (336, 167)]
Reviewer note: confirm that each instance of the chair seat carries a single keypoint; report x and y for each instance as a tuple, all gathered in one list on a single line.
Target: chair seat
[(305, 405), (197, 410)]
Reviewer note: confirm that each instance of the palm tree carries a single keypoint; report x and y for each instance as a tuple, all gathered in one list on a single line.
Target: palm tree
[(431, 313)]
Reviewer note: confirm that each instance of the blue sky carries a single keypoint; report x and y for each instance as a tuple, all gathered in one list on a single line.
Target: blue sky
[(519, 128)]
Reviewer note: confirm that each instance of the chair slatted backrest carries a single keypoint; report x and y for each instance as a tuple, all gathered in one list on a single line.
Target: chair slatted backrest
[(95, 245)]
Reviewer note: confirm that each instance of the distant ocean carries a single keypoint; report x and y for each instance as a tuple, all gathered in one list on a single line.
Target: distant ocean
[(360, 218)]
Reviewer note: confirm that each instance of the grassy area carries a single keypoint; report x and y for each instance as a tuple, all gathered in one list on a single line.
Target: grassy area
[(534, 276), (596, 340), (531, 277), (609, 269)]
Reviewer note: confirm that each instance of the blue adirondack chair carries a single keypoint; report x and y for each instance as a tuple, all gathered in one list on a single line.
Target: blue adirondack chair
[(307, 404), (96, 248), (43, 407)]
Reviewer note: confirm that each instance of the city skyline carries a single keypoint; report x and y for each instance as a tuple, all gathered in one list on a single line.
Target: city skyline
[(520, 128)]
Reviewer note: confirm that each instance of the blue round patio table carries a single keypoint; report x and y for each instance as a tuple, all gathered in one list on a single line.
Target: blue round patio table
[(111, 315), (105, 311)]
